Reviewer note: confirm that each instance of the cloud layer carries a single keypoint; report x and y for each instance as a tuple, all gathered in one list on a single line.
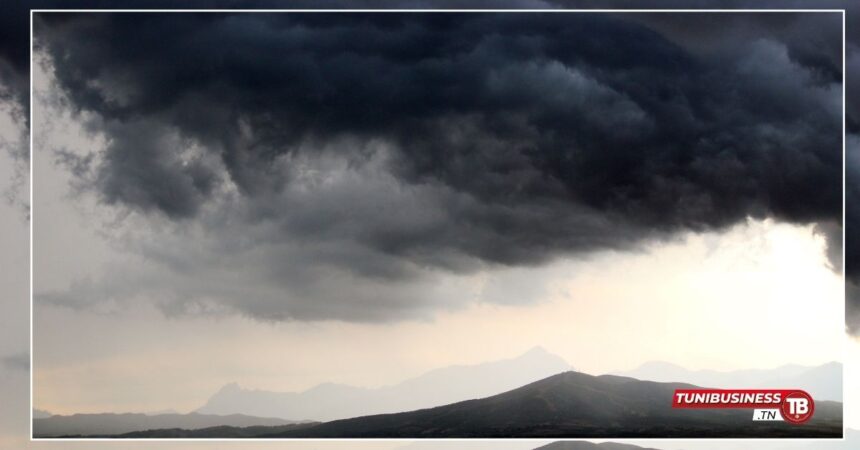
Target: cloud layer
[(335, 162)]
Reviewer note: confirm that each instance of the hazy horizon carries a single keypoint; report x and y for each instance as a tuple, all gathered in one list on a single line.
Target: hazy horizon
[(543, 357)]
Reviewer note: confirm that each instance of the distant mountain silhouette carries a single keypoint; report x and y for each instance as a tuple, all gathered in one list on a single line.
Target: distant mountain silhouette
[(221, 432), (162, 411), (41, 414), (115, 424), (570, 404), (573, 404), (822, 382), (438, 387)]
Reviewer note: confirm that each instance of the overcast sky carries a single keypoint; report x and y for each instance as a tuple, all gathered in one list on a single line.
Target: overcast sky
[(284, 200), (92, 221)]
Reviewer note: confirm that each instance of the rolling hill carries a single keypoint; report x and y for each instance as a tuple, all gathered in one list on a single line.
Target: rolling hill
[(573, 404), (435, 388), (569, 405), (220, 432), (117, 424)]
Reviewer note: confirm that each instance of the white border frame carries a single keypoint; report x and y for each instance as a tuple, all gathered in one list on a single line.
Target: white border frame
[(424, 10)]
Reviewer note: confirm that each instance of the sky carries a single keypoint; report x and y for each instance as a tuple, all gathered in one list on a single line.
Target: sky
[(238, 206), (259, 245)]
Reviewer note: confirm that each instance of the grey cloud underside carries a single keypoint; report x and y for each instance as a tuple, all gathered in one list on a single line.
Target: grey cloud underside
[(14, 52), (319, 151)]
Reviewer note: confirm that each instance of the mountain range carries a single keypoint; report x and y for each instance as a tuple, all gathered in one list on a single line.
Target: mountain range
[(117, 424), (494, 399), (330, 401), (573, 404)]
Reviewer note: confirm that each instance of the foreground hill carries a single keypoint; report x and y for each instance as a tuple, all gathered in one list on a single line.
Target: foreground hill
[(435, 388), (573, 404), (116, 424)]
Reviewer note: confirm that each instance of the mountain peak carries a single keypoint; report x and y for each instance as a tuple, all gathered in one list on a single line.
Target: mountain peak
[(539, 356), (330, 401), (230, 387), (567, 404), (537, 351)]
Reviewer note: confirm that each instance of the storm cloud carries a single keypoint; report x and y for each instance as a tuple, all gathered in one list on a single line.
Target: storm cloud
[(336, 164)]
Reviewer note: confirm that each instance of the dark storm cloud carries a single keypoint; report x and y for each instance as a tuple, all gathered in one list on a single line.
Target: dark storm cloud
[(628, 124), (14, 54), (808, 46), (390, 145), (802, 46), (14, 101)]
